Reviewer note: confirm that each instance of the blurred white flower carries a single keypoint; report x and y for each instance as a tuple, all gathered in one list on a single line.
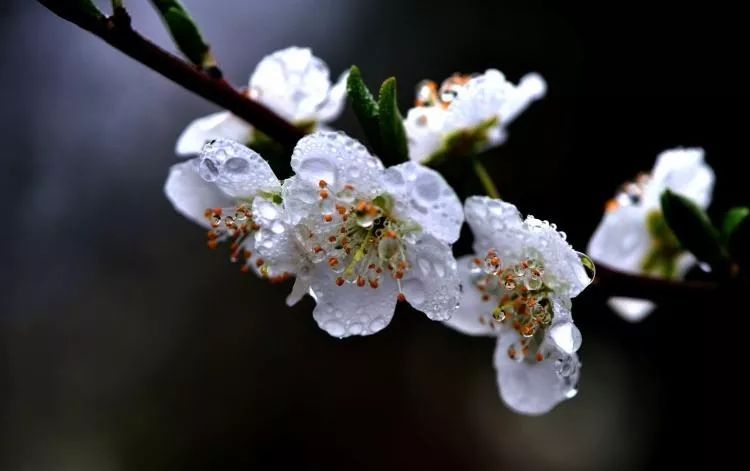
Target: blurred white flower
[(292, 82), (519, 289), (470, 112), (633, 236), (232, 191)]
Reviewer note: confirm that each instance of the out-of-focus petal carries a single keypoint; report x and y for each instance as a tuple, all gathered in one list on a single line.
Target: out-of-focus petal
[(191, 195), (221, 125)]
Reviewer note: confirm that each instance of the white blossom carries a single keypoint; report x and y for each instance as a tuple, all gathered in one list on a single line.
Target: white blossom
[(519, 288), (633, 236), (472, 109), (357, 237), (230, 190), (292, 82)]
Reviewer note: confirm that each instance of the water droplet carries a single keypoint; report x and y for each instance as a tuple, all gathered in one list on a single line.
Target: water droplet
[(588, 265), (277, 227), (377, 324), (318, 168), (208, 170), (236, 165), (566, 366), (268, 211), (355, 328), (413, 289), (566, 336), (335, 328), (424, 265)]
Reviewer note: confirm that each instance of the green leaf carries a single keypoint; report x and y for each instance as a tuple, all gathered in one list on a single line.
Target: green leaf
[(732, 221), (738, 243), (692, 227), (185, 33), (392, 132), (365, 108)]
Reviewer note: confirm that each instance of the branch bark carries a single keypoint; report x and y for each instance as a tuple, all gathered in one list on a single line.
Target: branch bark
[(117, 32)]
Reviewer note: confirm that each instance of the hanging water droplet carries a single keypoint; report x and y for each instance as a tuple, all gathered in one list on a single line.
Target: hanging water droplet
[(588, 266), (566, 366), (566, 336)]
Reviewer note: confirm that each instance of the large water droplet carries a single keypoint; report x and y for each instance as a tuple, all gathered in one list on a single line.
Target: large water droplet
[(377, 324), (566, 336), (588, 265), (413, 289), (208, 170), (318, 168), (268, 211), (335, 328), (236, 165)]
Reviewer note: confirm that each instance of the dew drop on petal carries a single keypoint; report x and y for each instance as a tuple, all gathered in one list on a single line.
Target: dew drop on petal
[(316, 169), (588, 265), (335, 328), (413, 289), (566, 336)]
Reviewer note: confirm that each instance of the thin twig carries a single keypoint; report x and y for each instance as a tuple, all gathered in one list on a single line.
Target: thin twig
[(116, 31)]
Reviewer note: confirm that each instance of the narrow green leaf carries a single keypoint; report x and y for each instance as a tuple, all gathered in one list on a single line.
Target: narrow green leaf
[(732, 221), (692, 227), (392, 132), (738, 244), (185, 33), (365, 107)]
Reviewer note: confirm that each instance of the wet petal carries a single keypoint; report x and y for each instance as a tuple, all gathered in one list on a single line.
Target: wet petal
[(683, 171), (422, 195), (424, 130), (221, 125), (431, 285), (478, 101), (274, 243), (237, 170), (621, 241), (348, 310), (191, 195), (474, 314), (338, 160), (292, 82), (530, 387), (334, 104)]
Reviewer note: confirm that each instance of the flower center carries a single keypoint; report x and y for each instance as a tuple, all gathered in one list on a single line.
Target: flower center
[(522, 300), (428, 93), (235, 225), (359, 239)]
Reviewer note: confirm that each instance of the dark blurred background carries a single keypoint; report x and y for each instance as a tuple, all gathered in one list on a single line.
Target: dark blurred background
[(125, 345)]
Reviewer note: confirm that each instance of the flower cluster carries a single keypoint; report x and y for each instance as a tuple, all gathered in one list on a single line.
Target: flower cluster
[(633, 236), (359, 237)]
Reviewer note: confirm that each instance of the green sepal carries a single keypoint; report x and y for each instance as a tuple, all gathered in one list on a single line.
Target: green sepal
[(365, 108), (694, 230), (732, 221), (463, 143), (185, 33), (392, 132)]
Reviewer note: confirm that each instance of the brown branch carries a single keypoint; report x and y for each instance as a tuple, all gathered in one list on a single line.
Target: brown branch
[(117, 32), (617, 283)]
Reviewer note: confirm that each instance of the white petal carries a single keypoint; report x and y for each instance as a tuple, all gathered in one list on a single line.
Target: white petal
[(422, 195), (237, 170), (274, 242), (338, 160), (301, 286), (683, 171), (191, 195), (497, 225), (479, 100), (424, 131), (221, 125), (530, 387), (631, 309), (334, 104), (474, 315), (621, 241), (292, 82), (532, 87), (348, 310), (431, 285)]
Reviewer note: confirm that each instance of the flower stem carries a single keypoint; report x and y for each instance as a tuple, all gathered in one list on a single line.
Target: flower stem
[(485, 179)]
